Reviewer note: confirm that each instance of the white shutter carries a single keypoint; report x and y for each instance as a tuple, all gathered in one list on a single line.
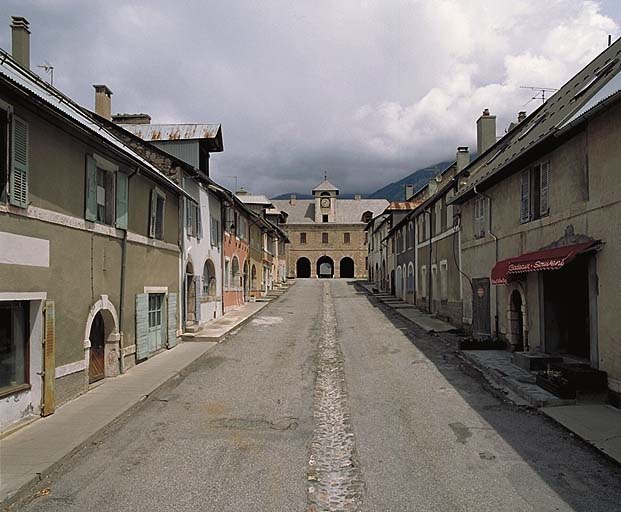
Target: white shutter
[(19, 163), (544, 188), (171, 319), (525, 197)]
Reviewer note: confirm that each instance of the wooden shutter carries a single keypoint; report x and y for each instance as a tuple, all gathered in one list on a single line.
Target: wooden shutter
[(544, 187), (18, 186), (525, 197), (142, 326), (122, 193), (49, 359), (198, 291), (90, 194), (152, 213), (171, 322), (199, 223), (188, 215)]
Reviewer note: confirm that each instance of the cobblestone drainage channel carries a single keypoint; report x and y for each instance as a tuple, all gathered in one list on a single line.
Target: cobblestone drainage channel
[(334, 476)]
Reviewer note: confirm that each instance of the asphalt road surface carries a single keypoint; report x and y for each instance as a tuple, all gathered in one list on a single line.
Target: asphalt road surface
[(326, 401)]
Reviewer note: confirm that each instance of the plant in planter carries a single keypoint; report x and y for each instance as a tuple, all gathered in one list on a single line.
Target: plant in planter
[(554, 382)]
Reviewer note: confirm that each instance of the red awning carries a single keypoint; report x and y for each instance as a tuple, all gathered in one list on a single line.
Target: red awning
[(546, 259)]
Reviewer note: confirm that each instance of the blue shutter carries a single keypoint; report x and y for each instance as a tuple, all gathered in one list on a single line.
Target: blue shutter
[(122, 193), (172, 320), (90, 194), (142, 326), (198, 291), (18, 186)]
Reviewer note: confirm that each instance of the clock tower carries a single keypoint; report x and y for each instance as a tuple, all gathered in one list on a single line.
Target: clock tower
[(325, 201)]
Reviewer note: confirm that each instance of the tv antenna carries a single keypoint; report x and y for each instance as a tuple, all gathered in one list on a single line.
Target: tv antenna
[(49, 69), (236, 179), (539, 93)]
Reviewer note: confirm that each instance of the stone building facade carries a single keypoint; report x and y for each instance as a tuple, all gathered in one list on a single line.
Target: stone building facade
[(327, 234)]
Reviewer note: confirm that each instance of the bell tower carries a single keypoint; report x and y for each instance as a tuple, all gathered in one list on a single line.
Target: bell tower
[(325, 201)]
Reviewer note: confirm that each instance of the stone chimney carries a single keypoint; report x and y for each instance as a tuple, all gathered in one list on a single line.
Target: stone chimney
[(20, 40), (521, 116), (486, 132), (293, 200), (357, 197), (409, 191), (131, 119), (463, 158), (103, 102)]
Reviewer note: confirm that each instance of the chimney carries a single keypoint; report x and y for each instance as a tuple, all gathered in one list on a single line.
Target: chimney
[(293, 200), (463, 158), (521, 116), (486, 132), (433, 187), (409, 191), (103, 103), (20, 40), (131, 119), (357, 197)]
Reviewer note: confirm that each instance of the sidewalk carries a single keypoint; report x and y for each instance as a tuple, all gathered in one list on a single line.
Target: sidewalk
[(33, 451)]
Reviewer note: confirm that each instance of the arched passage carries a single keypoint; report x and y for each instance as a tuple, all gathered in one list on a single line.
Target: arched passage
[(101, 340), (253, 277), (190, 293), (516, 320), (303, 268), (325, 267), (347, 267)]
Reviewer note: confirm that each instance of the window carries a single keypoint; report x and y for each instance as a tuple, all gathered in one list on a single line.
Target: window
[(214, 232), (438, 216), (209, 280), (14, 329), (302, 238), (236, 276), (155, 309), (366, 237), (534, 192), (227, 275), (444, 280), (105, 196), (19, 166), (434, 281), (193, 221), (4, 153), (346, 238), (480, 217), (423, 281), (324, 218), (156, 220), (324, 238)]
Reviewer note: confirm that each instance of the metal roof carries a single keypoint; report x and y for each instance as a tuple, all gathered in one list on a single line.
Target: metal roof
[(596, 83), (325, 185), (254, 199), (210, 133), (402, 205), (33, 84), (348, 211)]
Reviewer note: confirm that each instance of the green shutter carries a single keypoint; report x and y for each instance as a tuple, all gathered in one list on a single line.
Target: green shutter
[(19, 163), (90, 199), (122, 195), (152, 213), (172, 320), (142, 326)]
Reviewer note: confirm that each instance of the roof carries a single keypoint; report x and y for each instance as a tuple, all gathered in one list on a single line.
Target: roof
[(402, 205), (594, 86), (254, 199), (348, 211), (177, 132), (61, 104), (325, 185)]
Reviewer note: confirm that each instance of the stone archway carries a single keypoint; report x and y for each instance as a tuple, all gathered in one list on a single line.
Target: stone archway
[(517, 319), (102, 324), (303, 267), (325, 267), (346, 267)]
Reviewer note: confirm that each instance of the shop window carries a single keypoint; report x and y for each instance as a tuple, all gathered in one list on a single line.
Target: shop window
[(14, 336)]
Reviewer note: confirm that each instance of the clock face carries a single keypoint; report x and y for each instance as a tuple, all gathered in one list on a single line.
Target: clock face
[(325, 203)]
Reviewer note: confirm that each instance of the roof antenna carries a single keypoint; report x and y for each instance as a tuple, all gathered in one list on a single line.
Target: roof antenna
[(49, 69), (539, 93), (325, 175), (609, 39)]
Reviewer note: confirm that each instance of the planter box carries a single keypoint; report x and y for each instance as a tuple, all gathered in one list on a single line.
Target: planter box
[(471, 344), (556, 386), (582, 377)]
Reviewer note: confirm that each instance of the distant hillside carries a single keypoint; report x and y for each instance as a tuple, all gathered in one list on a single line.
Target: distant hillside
[(396, 190)]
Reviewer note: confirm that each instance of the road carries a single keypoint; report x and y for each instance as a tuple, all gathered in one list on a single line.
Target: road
[(326, 401)]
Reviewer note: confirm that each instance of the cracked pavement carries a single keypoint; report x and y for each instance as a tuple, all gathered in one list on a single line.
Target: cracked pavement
[(237, 431)]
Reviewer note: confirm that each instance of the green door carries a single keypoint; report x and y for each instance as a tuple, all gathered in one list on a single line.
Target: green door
[(156, 301)]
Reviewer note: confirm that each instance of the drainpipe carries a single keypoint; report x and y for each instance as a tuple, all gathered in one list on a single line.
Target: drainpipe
[(496, 324), (429, 299), (123, 274), (223, 206)]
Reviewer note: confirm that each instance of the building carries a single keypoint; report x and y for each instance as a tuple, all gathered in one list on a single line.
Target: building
[(539, 212), (327, 234), (89, 246)]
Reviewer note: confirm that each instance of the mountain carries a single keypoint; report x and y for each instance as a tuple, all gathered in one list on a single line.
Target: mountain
[(396, 190), (308, 196)]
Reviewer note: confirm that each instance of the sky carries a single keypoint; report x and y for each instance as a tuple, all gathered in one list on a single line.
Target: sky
[(367, 91)]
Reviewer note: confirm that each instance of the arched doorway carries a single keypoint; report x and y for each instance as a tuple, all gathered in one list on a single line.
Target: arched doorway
[(392, 282), (190, 294), (97, 361), (303, 268), (516, 321), (253, 277), (325, 267), (235, 283), (347, 267)]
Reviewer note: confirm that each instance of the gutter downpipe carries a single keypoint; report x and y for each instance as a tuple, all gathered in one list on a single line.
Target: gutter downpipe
[(123, 275), (495, 238), (429, 299)]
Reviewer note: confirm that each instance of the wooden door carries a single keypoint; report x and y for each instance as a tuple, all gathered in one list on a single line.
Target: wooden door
[(481, 321), (156, 301), (96, 367)]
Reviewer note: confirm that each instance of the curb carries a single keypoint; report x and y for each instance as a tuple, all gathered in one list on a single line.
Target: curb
[(20, 493)]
